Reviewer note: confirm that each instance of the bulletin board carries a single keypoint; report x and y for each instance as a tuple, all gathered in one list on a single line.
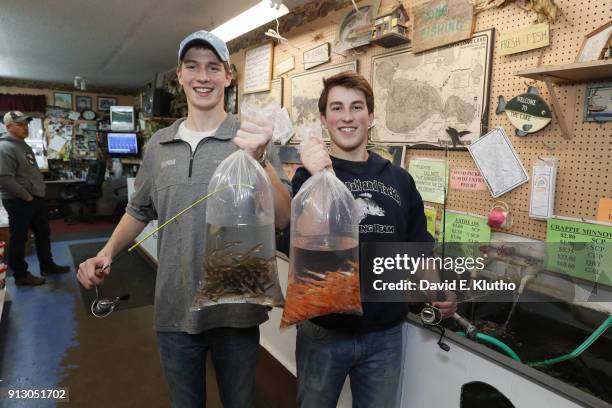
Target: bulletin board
[(584, 162)]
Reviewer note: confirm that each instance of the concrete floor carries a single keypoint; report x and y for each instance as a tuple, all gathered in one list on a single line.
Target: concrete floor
[(47, 340)]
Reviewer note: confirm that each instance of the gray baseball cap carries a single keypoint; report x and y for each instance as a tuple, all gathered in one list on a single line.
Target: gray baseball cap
[(15, 117), (204, 37)]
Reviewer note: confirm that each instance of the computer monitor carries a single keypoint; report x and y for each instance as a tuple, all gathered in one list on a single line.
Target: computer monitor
[(122, 118), (122, 144)]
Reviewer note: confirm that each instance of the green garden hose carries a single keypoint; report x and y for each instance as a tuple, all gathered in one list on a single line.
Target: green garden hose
[(484, 338), (579, 350), (585, 345)]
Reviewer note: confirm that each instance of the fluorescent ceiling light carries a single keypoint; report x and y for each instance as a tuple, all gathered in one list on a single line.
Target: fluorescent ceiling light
[(258, 15)]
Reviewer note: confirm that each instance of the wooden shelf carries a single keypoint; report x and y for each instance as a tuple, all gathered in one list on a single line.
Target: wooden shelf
[(576, 72)]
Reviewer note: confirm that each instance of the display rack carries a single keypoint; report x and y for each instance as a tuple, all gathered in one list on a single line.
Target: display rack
[(584, 160)]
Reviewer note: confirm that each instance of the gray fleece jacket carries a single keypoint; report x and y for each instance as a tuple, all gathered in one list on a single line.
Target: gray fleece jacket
[(20, 176), (170, 178)]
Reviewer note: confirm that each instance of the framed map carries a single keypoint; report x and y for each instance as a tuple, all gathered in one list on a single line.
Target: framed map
[(434, 97), (306, 89), (263, 98)]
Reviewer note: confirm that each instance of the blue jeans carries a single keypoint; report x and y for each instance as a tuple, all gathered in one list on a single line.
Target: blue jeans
[(234, 355), (325, 357)]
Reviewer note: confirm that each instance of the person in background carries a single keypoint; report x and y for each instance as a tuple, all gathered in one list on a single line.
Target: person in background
[(367, 348), (23, 196), (177, 166)]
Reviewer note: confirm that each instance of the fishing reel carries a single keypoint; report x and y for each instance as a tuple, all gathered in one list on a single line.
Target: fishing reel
[(432, 317), (103, 307)]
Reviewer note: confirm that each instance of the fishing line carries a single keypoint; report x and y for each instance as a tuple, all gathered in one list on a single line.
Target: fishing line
[(103, 307)]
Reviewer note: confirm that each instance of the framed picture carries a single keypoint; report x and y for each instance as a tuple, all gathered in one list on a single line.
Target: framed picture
[(355, 28), (285, 66), (261, 99), (258, 68), (427, 97), (305, 91), (83, 103), (62, 100), (316, 56), (598, 102), (105, 102), (595, 44)]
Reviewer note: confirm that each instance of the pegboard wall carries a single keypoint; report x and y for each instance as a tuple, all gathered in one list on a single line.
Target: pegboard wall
[(584, 162)]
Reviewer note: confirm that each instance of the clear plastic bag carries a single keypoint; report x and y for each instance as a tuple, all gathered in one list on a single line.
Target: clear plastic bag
[(272, 116), (309, 130), (239, 262), (324, 254)]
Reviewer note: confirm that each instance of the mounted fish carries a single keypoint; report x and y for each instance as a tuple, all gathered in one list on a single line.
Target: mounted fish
[(528, 112)]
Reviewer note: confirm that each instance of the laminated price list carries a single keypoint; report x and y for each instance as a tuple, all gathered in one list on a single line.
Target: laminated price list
[(580, 250), (463, 228)]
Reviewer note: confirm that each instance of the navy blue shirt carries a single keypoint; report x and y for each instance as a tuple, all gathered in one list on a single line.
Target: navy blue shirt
[(391, 210)]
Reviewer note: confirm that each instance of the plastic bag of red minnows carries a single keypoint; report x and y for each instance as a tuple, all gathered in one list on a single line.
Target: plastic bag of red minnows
[(239, 262), (324, 253)]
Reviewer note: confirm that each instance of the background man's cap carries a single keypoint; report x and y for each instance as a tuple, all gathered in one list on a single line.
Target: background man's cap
[(15, 117), (204, 37)]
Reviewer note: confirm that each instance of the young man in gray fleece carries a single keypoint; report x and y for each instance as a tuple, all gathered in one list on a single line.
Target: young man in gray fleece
[(177, 166)]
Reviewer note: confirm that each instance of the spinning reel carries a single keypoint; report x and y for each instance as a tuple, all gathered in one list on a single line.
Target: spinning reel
[(431, 317), (103, 307)]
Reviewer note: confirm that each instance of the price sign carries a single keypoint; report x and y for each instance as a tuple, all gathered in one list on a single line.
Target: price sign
[(462, 228), (430, 177), (466, 228), (580, 249)]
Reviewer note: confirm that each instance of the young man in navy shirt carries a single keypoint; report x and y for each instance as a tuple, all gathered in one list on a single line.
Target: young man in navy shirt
[(367, 348)]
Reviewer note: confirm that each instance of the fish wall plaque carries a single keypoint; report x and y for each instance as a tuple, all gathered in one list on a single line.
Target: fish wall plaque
[(528, 112)]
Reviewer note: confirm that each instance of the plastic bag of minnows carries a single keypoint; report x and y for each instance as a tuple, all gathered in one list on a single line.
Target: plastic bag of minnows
[(239, 261), (324, 253)]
